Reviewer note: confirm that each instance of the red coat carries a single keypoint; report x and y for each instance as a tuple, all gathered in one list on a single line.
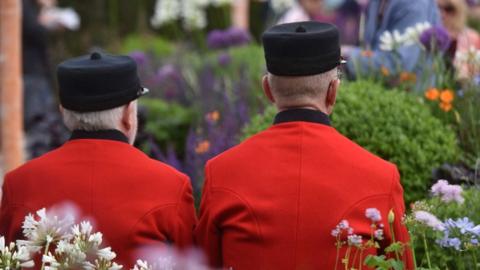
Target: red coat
[(133, 199), (273, 201)]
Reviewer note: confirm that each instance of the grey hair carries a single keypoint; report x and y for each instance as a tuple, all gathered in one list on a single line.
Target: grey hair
[(93, 121), (301, 87)]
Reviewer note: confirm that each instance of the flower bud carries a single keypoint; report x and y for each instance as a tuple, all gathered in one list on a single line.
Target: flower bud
[(391, 216)]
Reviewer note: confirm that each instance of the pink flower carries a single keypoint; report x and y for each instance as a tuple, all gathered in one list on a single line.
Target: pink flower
[(373, 214), (429, 219), (448, 192)]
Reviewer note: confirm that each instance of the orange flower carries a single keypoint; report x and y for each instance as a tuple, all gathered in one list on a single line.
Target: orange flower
[(202, 147), (213, 116), (367, 53), (446, 106), (447, 96), (408, 77), (385, 71), (432, 94)]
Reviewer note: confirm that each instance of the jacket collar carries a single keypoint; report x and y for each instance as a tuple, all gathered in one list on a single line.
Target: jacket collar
[(111, 134), (304, 115)]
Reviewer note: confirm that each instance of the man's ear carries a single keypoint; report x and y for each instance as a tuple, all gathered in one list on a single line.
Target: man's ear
[(266, 89), (331, 97), (126, 119), (60, 109)]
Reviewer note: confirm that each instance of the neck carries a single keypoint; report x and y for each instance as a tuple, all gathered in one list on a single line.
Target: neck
[(302, 106)]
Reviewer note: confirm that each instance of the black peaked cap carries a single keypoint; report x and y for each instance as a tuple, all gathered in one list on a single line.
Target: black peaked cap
[(302, 48), (98, 82)]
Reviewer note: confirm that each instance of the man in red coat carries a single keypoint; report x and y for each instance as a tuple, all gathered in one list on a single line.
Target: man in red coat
[(134, 201), (273, 201)]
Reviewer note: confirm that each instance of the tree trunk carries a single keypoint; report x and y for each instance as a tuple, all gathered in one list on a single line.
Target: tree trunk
[(11, 97)]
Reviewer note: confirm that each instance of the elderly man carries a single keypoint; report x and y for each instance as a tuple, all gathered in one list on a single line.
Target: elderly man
[(272, 201), (134, 201)]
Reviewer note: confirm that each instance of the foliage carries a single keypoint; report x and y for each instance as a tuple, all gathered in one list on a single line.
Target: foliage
[(392, 124), (452, 244), (156, 45), (199, 101), (169, 123)]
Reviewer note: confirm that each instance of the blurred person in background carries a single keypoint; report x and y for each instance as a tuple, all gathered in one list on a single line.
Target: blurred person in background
[(389, 15), (42, 122), (345, 14), (454, 15)]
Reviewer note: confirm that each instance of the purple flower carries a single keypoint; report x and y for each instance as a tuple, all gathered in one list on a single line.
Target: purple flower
[(378, 234), (450, 242), (355, 240), (429, 220), (165, 73), (237, 36), (373, 214), (342, 226), (139, 57), (447, 192), (464, 225), (435, 38), (216, 39), (224, 59)]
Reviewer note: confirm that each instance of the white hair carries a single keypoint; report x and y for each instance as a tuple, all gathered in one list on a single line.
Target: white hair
[(93, 121), (302, 86)]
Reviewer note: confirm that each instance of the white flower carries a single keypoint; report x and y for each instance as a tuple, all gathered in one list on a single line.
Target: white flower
[(106, 254), (280, 6), (14, 257), (391, 41), (378, 234), (166, 11), (142, 265), (115, 266), (96, 238), (412, 33), (46, 230), (193, 15)]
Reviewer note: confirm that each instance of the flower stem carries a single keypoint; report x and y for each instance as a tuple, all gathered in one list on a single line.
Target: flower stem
[(394, 240), (474, 259), (338, 253), (426, 251), (412, 244), (346, 260), (45, 254)]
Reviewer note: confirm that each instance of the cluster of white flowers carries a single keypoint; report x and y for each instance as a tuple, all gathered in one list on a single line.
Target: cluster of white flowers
[(191, 12), (390, 41), (45, 231), (470, 57), (163, 263), (280, 6), (13, 256)]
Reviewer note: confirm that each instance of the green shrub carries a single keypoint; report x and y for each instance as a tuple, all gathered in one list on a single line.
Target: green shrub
[(146, 43), (168, 122), (391, 124)]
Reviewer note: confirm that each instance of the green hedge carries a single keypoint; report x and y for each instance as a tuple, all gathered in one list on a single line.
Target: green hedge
[(395, 125)]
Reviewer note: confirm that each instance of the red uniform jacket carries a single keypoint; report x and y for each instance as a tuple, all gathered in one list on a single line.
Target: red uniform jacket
[(273, 201), (133, 200)]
